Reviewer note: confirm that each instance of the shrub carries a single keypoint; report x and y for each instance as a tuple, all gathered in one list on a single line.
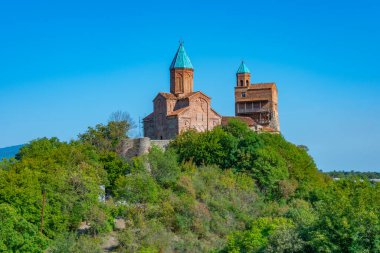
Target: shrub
[(137, 188), (164, 166), (256, 239)]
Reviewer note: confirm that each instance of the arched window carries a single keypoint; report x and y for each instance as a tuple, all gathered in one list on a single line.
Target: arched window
[(179, 83), (241, 83), (246, 82)]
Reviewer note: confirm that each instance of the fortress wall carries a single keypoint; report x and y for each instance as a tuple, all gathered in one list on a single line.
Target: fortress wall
[(160, 143), (139, 146)]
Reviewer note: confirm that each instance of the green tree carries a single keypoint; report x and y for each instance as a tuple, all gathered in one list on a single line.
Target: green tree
[(115, 166), (18, 235), (137, 188), (256, 239), (281, 169), (53, 184), (109, 137), (268, 168), (348, 218), (299, 164), (72, 243), (285, 240), (164, 166), (212, 147), (232, 146)]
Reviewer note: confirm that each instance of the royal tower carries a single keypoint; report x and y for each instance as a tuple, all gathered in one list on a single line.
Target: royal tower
[(258, 101)]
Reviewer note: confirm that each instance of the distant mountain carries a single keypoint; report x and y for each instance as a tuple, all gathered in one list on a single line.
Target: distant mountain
[(9, 152)]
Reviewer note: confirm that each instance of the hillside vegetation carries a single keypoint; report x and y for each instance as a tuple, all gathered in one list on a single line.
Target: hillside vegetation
[(226, 190), (360, 174)]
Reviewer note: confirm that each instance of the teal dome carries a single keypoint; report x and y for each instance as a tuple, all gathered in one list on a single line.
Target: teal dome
[(243, 69), (181, 60)]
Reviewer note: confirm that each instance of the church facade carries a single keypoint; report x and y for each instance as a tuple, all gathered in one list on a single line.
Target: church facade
[(183, 108)]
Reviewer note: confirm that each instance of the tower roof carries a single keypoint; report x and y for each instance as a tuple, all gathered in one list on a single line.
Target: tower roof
[(243, 69), (181, 60)]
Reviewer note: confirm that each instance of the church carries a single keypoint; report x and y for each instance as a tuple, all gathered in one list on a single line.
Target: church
[(183, 108)]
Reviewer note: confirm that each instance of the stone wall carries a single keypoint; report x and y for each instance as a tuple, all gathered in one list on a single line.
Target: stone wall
[(140, 146)]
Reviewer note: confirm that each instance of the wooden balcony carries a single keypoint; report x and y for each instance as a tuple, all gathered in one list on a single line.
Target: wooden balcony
[(253, 107)]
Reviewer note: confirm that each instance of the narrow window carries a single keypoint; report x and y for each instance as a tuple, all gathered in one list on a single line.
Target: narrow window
[(246, 82), (241, 83)]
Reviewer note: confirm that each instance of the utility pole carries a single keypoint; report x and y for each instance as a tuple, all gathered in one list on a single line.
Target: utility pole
[(43, 210)]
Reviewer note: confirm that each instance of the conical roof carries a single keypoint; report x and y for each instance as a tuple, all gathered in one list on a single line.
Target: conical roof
[(243, 69), (181, 60)]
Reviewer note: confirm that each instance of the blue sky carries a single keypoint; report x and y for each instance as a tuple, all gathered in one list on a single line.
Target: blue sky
[(66, 65)]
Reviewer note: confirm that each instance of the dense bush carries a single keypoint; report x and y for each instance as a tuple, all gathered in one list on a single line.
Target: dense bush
[(164, 166), (17, 234), (53, 186), (199, 209), (280, 168), (348, 218), (109, 137), (265, 233), (72, 243)]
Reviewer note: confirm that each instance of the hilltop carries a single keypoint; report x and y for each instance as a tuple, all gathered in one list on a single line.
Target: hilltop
[(225, 190)]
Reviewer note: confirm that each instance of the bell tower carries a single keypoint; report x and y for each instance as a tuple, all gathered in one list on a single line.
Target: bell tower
[(181, 73), (259, 101), (243, 76)]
